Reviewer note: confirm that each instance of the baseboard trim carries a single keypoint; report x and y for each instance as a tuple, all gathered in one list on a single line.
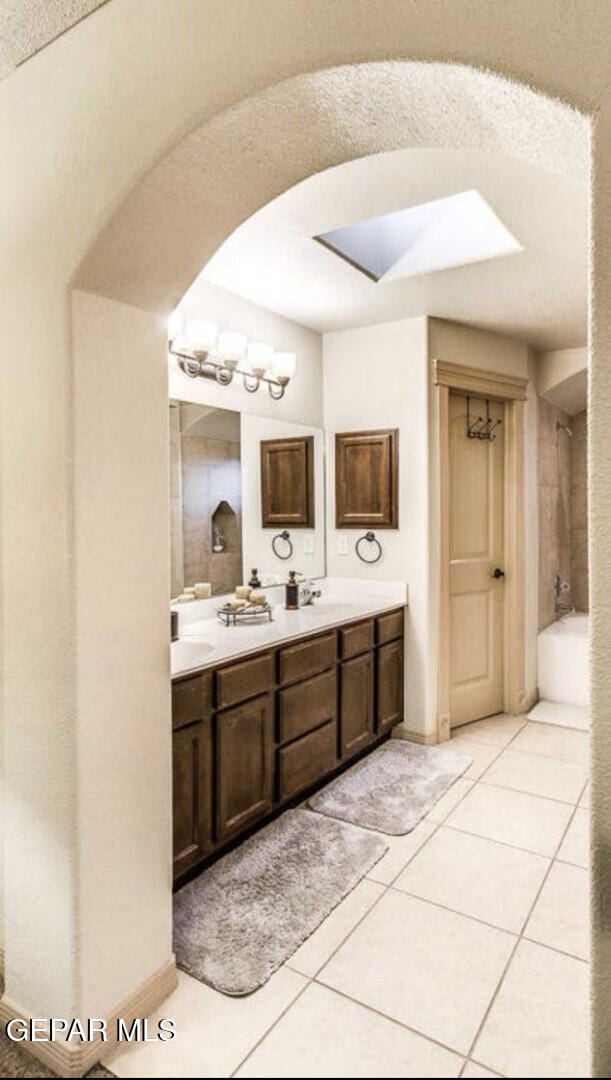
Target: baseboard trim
[(529, 701), (77, 1059), (428, 738)]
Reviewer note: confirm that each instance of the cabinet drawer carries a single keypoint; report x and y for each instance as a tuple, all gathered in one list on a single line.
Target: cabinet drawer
[(307, 658), (191, 699), (307, 760), (357, 639), (307, 705), (389, 627), (244, 680)]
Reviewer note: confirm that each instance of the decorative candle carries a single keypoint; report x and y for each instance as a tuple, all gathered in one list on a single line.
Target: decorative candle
[(242, 592), (203, 590)]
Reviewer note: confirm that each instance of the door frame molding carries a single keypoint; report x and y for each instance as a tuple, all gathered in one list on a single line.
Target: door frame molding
[(511, 390)]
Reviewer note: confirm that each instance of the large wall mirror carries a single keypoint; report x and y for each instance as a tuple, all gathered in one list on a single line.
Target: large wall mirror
[(239, 483)]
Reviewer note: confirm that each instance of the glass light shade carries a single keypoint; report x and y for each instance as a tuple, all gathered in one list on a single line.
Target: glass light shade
[(285, 364), (260, 357), (201, 335), (231, 348), (175, 325)]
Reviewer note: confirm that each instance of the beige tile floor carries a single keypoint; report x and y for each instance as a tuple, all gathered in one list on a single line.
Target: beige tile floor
[(463, 953)]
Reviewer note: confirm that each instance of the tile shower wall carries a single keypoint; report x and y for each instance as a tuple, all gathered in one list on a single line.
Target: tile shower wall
[(554, 469), (579, 512), (210, 475), (177, 568)]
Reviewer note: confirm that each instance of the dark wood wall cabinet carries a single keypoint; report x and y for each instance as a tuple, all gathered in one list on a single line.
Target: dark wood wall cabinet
[(251, 735), (366, 479), (287, 483)]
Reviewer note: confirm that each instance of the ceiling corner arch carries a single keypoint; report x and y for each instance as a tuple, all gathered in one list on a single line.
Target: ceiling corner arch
[(222, 172)]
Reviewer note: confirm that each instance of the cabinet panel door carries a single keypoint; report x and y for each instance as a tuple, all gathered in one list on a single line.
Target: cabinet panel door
[(366, 479), (356, 707), (192, 793), (389, 685), (244, 749), (287, 483)]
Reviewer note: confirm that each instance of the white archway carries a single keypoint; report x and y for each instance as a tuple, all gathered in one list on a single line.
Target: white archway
[(140, 265)]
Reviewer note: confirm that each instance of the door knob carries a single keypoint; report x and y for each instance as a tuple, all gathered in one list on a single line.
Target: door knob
[(497, 572)]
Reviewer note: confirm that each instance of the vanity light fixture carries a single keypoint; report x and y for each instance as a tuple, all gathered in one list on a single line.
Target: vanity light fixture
[(204, 353)]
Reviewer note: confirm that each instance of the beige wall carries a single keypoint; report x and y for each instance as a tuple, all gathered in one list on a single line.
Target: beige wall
[(308, 544), (95, 146), (579, 512), (380, 376), (122, 703), (377, 377)]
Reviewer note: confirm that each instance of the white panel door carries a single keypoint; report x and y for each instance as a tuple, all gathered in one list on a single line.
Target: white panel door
[(476, 553)]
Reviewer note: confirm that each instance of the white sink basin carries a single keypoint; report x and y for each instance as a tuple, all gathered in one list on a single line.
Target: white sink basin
[(190, 653), (341, 609)]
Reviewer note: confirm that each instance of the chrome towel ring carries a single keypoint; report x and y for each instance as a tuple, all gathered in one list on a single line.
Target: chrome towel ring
[(371, 538), (285, 536)]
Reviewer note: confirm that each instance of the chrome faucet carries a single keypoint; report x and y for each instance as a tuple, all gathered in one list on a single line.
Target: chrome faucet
[(562, 588), (307, 593)]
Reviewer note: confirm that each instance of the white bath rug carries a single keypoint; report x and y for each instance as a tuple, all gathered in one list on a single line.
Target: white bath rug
[(242, 918), (393, 788)]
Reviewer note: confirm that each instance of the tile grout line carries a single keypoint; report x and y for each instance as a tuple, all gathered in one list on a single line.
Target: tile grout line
[(520, 938), (387, 886)]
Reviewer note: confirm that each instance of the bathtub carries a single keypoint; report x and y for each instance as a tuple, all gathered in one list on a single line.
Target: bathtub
[(563, 663)]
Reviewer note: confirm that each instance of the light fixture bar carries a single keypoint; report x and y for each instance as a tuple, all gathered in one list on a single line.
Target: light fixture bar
[(207, 366)]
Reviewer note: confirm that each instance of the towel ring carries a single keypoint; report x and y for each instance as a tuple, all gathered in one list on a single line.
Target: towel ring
[(371, 538), (286, 537)]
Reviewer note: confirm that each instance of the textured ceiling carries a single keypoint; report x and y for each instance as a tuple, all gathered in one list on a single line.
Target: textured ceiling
[(26, 26), (226, 170), (538, 295)]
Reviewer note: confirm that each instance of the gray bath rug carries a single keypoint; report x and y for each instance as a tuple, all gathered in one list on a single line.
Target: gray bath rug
[(242, 918), (393, 788)]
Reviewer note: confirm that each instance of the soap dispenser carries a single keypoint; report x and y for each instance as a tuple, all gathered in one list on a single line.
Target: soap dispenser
[(254, 579), (292, 592)]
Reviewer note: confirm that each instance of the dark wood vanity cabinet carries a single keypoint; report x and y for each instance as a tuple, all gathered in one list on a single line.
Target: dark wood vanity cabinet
[(244, 761), (192, 779), (389, 685), (356, 698), (253, 735)]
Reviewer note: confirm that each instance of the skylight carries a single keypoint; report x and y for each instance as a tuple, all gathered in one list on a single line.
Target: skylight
[(448, 232)]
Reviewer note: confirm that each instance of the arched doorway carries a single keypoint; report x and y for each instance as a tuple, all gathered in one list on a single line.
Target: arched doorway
[(136, 272)]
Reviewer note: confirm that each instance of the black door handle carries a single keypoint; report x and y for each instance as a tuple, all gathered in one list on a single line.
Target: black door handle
[(497, 572)]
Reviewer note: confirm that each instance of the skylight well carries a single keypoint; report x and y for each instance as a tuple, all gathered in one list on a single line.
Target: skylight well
[(437, 235)]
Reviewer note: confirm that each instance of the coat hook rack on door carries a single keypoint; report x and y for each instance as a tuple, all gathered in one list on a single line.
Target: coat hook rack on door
[(483, 426)]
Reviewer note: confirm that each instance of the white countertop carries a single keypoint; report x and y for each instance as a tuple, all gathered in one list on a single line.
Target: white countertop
[(205, 641)]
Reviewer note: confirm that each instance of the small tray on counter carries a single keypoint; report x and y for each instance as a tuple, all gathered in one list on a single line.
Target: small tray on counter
[(250, 613)]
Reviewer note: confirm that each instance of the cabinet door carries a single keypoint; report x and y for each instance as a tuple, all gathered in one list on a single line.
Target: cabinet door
[(287, 483), (389, 685), (244, 749), (192, 793), (366, 479), (356, 708)]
